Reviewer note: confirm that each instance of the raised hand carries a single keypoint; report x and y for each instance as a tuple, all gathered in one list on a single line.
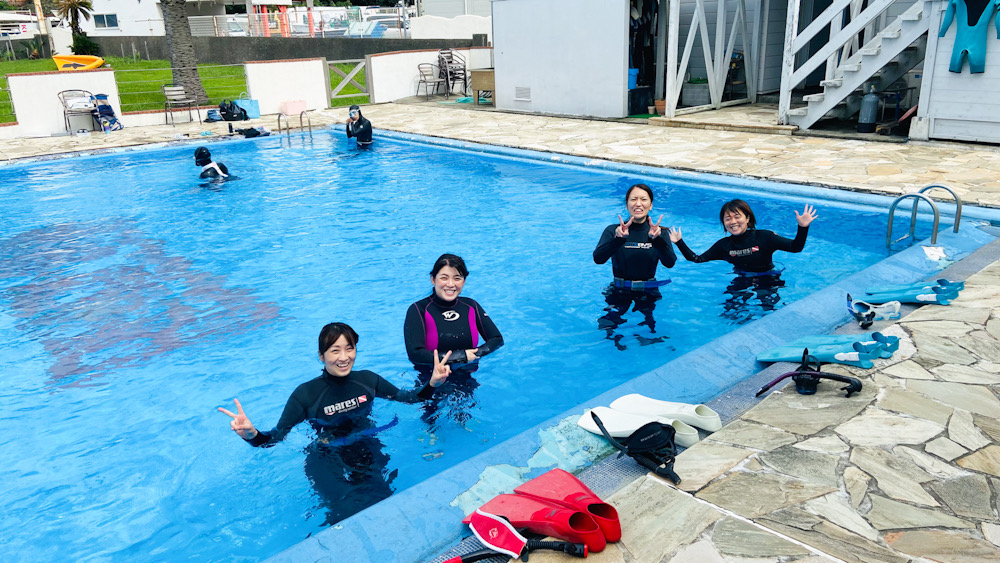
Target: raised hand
[(655, 230), (675, 234), (240, 423), (441, 369), (622, 230), (807, 216)]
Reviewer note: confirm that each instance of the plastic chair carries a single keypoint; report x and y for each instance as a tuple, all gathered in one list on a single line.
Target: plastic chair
[(78, 102), (430, 75), (176, 97), (453, 69)]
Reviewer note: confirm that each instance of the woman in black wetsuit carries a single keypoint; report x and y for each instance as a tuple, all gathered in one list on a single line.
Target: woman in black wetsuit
[(749, 250), (635, 248), (345, 462), (446, 322)]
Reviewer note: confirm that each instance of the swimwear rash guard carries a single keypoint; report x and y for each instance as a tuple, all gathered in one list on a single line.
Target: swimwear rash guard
[(361, 130), (634, 257), (749, 252), (435, 324), (337, 407)]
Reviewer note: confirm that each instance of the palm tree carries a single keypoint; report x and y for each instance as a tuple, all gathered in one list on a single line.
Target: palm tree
[(73, 11), (181, 46)]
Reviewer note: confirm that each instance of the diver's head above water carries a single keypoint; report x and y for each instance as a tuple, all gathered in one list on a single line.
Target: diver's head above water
[(202, 156), (639, 202), (448, 277), (354, 112), (736, 217), (337, 348)]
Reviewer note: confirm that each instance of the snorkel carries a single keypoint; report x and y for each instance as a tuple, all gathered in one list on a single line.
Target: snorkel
[(807, 376)]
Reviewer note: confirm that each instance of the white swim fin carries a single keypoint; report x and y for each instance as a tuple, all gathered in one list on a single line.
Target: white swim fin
[(695, 415), (623, 424)]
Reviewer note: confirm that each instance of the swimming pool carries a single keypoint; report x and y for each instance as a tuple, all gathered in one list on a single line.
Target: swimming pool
[(135, 300)]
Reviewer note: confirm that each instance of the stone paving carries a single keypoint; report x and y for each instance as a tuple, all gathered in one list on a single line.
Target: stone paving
[(906, 470)]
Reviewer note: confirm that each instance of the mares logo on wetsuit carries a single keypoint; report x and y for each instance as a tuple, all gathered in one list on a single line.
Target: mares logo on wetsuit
[(744, 251), (344, 406), (639, 245), (450, 315)]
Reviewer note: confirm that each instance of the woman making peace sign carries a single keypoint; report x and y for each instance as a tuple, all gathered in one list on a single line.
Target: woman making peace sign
[(345, 462)]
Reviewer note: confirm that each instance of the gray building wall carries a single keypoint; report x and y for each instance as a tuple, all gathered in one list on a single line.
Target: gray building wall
[(236, 50)]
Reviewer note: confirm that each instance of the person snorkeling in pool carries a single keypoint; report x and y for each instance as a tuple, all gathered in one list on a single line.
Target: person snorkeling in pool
[(750, 251), (358, 127), (345, 462), (209, 168), (635, 247), (447, 322)]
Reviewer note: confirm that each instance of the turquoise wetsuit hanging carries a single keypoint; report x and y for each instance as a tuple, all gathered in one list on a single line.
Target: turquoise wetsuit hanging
[(972, 27)]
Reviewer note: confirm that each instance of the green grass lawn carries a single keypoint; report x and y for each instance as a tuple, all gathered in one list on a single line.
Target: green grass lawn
[(139, 82)]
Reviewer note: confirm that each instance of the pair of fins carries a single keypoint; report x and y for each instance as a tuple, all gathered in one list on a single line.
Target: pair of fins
[(851, 349), (941, 292), (630, 412), (558, 504)]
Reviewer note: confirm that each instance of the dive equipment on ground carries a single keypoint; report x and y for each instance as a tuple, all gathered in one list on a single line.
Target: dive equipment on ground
[(866, 313), (651, 446), (916, 296), (887, 344), (942, 282), (695, 415), (564, 488), (544, 517), (500, 537), (621, 424), (807, 376), (853, 354)]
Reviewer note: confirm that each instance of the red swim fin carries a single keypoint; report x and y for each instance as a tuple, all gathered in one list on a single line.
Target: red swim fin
[(546, 517), (563, 487)]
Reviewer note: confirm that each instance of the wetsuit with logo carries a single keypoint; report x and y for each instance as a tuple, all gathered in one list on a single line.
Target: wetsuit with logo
[(748, 252), (435, 324), (360, 130), (633, 257), (345, 463)]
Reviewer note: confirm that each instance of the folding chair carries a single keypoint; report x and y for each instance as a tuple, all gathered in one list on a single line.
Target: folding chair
[(77, 102), (176, 97), (430, 75), (453, 69)]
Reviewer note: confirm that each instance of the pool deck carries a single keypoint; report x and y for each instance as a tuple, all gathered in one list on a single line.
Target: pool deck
[(907, 470)]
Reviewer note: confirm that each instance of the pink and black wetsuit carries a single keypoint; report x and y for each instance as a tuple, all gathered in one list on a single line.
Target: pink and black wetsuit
[(435, 324)]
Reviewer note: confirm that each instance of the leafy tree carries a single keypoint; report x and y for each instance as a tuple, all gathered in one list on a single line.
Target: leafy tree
[(73, 11), (181, 46)]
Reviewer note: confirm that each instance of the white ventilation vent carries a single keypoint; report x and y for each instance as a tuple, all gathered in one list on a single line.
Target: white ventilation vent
[(522, 94)]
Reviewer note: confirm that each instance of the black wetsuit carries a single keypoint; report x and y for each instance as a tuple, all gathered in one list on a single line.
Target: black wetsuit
[(209, 171), (345, 464), (749, 252), (360, 130), (633, 258), (435, 324)]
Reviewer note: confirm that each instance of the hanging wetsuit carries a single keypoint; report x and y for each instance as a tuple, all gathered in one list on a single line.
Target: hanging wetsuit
[(435, 324), (750, 252), (345, 463), (972, 22)]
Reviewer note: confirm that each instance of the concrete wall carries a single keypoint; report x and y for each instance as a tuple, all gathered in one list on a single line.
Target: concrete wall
[(39, 112), (236, 50), (452, 8), (570, 57), (460, 27), (274, 82), (395, 75)]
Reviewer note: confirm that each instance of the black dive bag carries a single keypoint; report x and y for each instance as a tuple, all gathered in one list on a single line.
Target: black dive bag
[(651, 445)]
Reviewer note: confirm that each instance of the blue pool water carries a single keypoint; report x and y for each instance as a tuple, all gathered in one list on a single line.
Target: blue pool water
[(135, 300)]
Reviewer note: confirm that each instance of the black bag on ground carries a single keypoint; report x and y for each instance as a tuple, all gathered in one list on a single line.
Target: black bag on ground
[(651, 445), (232, 112)]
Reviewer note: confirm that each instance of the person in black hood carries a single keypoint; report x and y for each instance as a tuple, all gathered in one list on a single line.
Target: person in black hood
[(345, 462), (209, 168), (359, 127)]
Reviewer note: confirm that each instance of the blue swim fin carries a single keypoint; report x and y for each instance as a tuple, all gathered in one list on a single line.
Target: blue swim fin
[(887, 344), (853, 354), (942, 283), (919, 296)]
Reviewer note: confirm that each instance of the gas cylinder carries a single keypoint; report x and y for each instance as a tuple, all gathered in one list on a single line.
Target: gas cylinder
[(869, 108)]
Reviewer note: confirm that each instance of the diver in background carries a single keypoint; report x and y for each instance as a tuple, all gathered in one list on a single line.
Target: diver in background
[(358, 127), (209, 168), (635, 248)]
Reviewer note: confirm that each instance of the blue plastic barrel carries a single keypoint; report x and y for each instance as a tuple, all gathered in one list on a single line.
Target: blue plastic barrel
[(633, 78)]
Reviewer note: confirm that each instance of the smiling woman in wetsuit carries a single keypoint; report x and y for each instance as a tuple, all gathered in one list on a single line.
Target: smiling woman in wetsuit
[(447, 322), (345, 462), (635, 248), (750, 252)]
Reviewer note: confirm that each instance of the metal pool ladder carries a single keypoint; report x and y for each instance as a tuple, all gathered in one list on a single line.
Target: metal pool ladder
[(918, 196), (288, 126), (308, 121)]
